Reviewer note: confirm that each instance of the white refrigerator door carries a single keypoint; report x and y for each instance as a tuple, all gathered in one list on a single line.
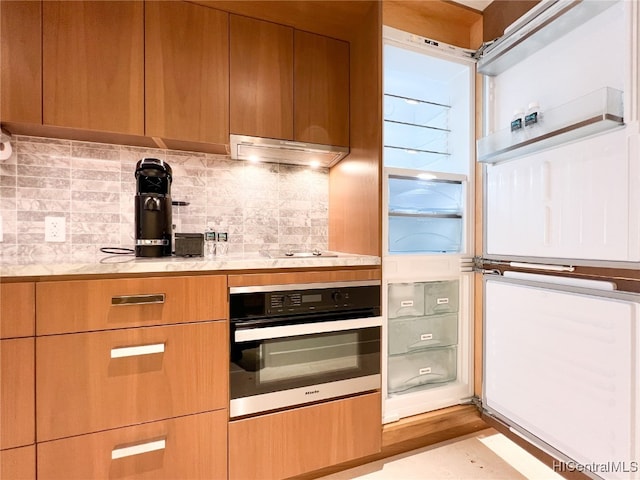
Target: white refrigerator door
[(561, 365), (578, 200)]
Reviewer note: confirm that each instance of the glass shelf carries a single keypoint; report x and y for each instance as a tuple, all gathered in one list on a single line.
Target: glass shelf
[(416, 112), (593, 113), (415, 137), (413, 159)]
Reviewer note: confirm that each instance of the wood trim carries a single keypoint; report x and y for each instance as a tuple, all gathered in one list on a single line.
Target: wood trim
[(17, 309), (21, 61), (499, 14), (254, 279), (17, 395), (355, 195), (18, 463), (438, 20)]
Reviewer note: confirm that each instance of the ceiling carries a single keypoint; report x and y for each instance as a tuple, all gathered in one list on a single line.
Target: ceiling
[(475, 4)]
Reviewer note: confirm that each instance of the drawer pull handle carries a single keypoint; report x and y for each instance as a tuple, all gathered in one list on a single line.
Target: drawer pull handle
[(138, 449), (121, 352), (137, 299)]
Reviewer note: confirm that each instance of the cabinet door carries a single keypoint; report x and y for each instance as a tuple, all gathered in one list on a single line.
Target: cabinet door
[(17, 425), (321, 89), (261, 78), (186, 72), (18, 463), (285, 444), (17, 310), (191, 447), (21, 61), (93, 62)]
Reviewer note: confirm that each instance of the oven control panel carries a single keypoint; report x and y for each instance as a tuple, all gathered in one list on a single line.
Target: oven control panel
[(308, 301), (304, 301)]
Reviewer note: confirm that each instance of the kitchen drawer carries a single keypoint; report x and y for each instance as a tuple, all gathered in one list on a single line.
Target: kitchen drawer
[(299, 440), (441, 297), (17, 424), (191, 447), (424, 368), (17, 310), (422, 233), (94, 381), (406, 299), (18, 463), (86, 305), (410, 334)]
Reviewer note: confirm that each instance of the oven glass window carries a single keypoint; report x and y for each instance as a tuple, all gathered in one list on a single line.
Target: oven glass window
[(300, 357), (275, 364)]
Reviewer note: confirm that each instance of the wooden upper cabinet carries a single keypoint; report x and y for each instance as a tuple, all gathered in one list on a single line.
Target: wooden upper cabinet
[(321, 89), (186, 72), (21, 61), (93, 65), (261, 78)]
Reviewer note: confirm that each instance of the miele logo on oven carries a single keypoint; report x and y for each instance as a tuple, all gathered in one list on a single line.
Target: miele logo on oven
[(312, 392)]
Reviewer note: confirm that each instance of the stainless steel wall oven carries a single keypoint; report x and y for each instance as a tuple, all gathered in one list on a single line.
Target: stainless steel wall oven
[(297, 344)]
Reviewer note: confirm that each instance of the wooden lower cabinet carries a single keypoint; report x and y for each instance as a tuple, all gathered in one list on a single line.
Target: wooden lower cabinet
[(17, 425), (195, 447), (88, 382), (18, 463), (285, 444)]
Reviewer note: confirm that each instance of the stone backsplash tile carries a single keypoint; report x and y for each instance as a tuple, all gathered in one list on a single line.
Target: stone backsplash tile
[(261, 206)]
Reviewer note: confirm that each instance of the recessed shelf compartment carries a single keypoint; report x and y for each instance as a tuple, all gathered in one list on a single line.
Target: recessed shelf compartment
[(543, 24), (421, 369), (593, 113)]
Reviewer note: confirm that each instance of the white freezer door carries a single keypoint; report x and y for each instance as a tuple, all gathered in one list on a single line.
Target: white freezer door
[(560, 364)]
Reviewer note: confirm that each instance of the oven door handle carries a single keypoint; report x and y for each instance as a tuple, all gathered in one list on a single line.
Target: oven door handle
[(283, 331)]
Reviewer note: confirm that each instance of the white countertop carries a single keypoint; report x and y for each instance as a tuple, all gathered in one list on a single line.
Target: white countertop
[(102, 264)]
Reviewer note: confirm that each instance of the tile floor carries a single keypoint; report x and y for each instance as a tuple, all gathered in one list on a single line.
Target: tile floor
[(486, 455)]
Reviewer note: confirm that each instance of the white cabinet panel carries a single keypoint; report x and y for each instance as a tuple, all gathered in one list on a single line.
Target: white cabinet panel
[(562, 366), (568, 202)]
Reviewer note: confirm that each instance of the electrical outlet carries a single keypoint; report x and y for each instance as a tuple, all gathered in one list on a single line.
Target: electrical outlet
[(54, 229)]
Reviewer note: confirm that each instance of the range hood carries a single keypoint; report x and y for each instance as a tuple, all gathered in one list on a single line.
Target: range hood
[(272, 150)]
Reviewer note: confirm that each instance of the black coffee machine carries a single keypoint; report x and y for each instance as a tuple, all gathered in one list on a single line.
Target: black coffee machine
[(153, 208)]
